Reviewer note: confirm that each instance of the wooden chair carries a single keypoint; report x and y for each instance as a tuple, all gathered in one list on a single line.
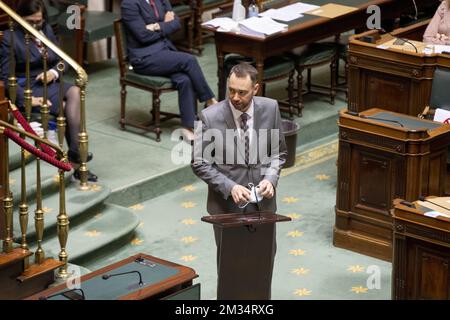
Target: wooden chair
[(154, 84), (94, 26), (200, 8), (185, 10), (440, 94), (317, 54)]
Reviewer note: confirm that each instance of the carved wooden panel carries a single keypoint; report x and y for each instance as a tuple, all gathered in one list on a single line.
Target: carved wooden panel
[(373, 167), (432, 275), (386, 92)]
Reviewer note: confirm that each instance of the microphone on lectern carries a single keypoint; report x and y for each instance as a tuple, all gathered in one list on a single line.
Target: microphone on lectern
[(69, 294), (107, 276)]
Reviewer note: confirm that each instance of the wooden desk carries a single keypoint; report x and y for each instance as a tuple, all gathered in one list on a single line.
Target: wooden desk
[(420, 265), (391, 79), (379, 161), (302, 31), (161, 279)]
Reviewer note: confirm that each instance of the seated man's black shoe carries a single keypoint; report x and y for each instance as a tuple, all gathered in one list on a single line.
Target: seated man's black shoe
[(75, 156), (91, 177)]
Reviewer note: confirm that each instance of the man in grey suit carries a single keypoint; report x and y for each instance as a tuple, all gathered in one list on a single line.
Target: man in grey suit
[(239, 141)]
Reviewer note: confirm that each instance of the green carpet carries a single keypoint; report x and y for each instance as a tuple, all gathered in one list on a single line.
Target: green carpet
[(307, 265)]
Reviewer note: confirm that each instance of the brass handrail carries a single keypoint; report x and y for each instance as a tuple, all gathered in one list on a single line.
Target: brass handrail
[(32, 136), (82, 78)]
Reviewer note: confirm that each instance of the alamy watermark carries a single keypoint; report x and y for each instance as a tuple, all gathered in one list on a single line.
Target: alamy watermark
[(227, 147), (374, 279), (74, 19)]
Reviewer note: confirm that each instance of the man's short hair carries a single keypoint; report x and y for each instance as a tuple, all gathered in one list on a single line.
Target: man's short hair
[(244, 69)]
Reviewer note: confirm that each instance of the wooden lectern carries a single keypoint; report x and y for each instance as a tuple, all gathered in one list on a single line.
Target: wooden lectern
[(420, 265), (246, 250), (382, 156), (121, 281)]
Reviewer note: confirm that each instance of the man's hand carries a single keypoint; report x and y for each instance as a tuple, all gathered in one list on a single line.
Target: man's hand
[(240, 194), (153, 27), (169, 16), (266, 189), (39, 101), (50, 77)]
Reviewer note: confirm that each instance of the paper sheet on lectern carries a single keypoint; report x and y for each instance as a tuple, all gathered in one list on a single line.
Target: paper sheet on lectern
[(442, 115)]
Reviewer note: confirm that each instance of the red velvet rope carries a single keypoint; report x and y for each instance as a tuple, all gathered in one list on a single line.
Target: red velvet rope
[(38, 153), (24, 123)]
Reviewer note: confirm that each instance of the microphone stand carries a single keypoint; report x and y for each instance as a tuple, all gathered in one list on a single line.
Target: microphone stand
[(70, 294), (107, 276)]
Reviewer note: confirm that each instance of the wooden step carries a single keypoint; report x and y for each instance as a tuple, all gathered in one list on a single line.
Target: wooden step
[(36, 270), (15, 256)]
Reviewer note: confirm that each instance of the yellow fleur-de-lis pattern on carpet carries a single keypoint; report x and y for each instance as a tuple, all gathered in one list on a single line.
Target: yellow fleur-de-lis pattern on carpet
[(307, 265)]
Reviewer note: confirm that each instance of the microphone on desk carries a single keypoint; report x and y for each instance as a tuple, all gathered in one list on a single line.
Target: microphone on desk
[(402, 39), (381, 119), (70, 294), (422, 198), (356, 114), (107, 276)]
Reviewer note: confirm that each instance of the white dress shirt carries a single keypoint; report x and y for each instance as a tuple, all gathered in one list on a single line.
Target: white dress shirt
[(237, 119)]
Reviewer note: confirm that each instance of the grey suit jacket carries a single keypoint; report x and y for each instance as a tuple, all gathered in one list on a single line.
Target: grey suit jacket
[(219, 161)]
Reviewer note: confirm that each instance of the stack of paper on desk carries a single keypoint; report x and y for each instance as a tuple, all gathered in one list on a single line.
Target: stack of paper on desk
[(439, 205), (223, 24), (261, 26), (288, 13)]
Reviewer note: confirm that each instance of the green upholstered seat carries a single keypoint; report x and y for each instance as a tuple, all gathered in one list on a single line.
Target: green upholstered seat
[(440, 93), (181, 9), (317, 53), (99, 25), (152, 81), (53, 14), (208, 3), (274, 67)]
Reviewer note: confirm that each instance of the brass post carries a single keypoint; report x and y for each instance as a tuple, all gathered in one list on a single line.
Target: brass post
[(61, 120), (27, 93), (23, 207), (12, 80), (7, 203), (63, 224), (45, 108), (39, 255), (83, 136)]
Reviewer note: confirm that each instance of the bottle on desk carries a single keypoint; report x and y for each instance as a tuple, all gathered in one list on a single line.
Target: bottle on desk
[(238, 11), (252, 10)]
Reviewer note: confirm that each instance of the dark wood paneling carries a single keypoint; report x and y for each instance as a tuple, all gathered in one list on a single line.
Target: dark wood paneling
[(382, 89), (394, 80), (380, 162)]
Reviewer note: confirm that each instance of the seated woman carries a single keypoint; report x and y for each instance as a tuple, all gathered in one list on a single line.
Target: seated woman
[(438, 31), (34, 12), (148, 24)]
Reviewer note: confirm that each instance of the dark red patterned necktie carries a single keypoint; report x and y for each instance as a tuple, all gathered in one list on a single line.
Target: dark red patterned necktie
[(155, 10)]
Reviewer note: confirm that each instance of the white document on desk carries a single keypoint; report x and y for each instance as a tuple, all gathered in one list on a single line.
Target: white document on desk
[(300, 7), (439, 48), (281, 14), (224, 24), (441, 115), (261, 27)]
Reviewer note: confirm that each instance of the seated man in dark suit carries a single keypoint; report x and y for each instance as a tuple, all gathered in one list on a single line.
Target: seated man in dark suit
[(33, 11), (148, 24)]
